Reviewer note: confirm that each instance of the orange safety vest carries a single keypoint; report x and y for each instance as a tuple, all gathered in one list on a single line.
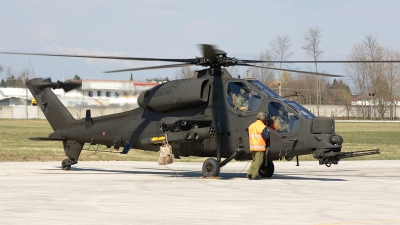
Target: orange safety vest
[(257, 142)]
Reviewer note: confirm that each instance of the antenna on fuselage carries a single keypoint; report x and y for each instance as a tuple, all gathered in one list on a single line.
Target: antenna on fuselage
[(32, 68)]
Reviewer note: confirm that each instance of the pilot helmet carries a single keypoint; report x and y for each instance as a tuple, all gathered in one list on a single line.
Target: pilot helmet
[(244, 90), (262, 116)]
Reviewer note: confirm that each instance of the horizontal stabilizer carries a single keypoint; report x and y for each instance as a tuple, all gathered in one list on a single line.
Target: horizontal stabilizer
[(47, 139)]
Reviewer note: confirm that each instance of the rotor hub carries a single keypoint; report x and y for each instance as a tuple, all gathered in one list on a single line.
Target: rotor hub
[(220, 61)]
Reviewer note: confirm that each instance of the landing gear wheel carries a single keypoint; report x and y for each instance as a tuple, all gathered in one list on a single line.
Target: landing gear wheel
[(211, 168), (267, 171), (66, 164)]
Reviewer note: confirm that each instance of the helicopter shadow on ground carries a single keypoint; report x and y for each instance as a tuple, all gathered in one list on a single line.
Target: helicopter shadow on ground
[(162, 172), (189, 174), (303, 177)]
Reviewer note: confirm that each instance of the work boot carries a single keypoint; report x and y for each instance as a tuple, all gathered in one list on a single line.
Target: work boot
[(254, 178), (248, 176)]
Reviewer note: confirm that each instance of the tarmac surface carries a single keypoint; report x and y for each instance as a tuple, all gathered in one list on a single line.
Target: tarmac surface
[(353, 192)]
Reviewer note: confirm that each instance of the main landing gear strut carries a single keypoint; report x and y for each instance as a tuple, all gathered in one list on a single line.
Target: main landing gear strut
[(211, 167), (72, 150)]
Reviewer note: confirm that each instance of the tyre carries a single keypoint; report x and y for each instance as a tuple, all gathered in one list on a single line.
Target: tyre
[(267, 171), (66, 164), (211, 167)]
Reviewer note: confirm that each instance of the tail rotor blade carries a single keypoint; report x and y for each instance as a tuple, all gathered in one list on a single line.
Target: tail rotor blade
[(70, 85)]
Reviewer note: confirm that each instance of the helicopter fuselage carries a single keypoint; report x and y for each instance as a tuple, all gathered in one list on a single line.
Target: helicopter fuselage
[(199, 120)]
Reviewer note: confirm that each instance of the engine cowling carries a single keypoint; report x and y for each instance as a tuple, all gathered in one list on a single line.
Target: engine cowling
[(175, 94)]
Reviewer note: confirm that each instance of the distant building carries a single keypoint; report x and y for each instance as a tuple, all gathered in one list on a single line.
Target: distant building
[(92, 92), (15, 96), (372, 102)]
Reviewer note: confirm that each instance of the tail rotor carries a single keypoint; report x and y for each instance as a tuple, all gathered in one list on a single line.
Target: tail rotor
[(67, 85)]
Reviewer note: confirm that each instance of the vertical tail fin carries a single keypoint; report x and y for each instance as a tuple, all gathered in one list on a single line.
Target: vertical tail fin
[(55, 112)]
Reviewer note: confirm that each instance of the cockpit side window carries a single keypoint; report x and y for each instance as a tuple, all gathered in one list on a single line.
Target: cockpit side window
[(280, 119), (241, 97)]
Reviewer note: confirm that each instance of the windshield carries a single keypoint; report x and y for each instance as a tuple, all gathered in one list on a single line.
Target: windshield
[(300, 109), (264, 88)]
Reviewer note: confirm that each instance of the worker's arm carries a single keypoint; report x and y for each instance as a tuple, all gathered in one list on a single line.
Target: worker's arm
[(265, 133)]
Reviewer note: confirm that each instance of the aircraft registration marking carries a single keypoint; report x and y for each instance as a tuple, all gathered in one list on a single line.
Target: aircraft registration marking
[(163, 92), (290, 144)]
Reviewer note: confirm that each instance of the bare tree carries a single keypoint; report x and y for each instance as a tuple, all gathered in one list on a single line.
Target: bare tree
[(358, 75), (304, 85), (185, 72), (376, 83), (311, 46), (280, 49), (3, 82), (11, 77), (15, 79), (266, 76), (233, 70), (392, 78), (284, 79), (374, 72), (23, 76)]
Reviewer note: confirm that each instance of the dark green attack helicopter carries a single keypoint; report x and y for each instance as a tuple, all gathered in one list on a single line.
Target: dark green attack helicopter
[(199, 117)]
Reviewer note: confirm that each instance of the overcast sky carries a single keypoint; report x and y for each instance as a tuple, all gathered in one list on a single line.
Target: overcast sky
[(173, 29)]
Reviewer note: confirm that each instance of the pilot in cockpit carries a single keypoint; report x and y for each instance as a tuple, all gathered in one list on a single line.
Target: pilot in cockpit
[(242, 100), (280, 120)]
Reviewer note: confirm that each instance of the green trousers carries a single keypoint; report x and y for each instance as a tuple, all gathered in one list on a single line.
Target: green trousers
[(258, 158)]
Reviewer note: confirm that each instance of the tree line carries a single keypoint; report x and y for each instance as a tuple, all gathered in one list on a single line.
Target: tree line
[(17, 79), (13, 78), (377, 83)]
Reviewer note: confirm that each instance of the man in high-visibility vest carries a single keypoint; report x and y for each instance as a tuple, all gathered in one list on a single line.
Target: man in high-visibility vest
[(258, 136)]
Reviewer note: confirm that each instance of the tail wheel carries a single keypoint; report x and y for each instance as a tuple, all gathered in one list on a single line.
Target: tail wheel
[(211, 168), (267, 171), (66, 164)]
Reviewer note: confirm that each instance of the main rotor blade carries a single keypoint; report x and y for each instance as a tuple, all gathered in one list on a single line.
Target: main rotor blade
[(150, 68), (297, 71), (104, 57), (209, 52), (332, 61)]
